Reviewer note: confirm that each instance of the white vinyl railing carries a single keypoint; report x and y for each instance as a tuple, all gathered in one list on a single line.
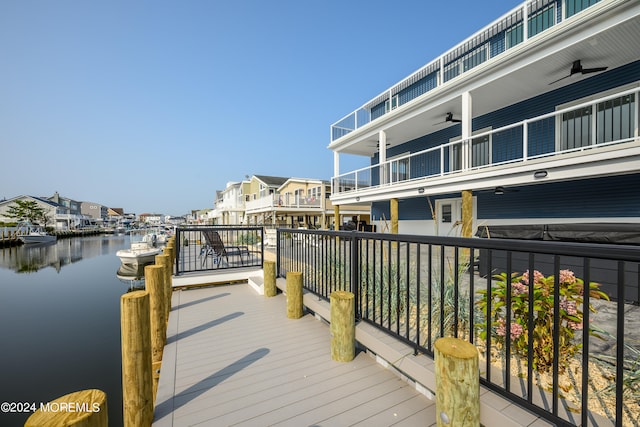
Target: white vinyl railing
[(501, 35), (588, 126)]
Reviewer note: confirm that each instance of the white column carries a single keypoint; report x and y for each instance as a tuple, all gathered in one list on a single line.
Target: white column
[(467, 131), (382, 149)]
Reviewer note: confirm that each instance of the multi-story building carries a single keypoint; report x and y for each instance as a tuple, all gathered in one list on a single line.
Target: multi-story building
[(296, 202), (531, 120), (230, 203)]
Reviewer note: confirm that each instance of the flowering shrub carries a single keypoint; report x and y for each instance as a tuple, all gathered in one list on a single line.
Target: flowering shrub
[(571, 301)]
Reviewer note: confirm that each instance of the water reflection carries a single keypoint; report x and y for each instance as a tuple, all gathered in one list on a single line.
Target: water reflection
[(133, 275), (33, 257)]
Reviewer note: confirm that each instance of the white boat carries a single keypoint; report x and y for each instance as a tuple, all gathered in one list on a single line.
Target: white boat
[(29, 233), (139, 253)]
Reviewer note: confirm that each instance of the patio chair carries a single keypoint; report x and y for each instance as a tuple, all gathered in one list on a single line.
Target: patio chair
[(216, 249)]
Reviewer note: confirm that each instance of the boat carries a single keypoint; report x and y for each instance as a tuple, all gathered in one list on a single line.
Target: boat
[(30, 233), (139, 253)]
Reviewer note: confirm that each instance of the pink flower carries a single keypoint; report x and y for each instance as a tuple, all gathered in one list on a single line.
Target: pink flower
[(569, 306), (575, 325), (537, 277), (516, 329), (567, 277), (519, 288)]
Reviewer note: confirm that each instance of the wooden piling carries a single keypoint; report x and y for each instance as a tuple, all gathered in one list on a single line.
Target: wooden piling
[(85, 408), (343, 326), (154, 283), (165, 262), (137, 387), (270, 289), (294, 295), (457, 383)]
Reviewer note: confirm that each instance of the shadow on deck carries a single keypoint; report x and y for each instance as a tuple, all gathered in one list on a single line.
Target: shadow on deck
[(233, 358)]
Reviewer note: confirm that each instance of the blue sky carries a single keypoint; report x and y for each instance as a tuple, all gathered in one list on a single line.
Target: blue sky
[(152, 106)]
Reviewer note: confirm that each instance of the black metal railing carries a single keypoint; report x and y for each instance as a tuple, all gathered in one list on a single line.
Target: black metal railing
[(208, 248), (559, 348)]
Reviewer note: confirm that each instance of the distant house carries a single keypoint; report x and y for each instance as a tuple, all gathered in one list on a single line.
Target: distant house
[(532, 120), (280, 201), (96, 212), (230, 203), (51, 209)]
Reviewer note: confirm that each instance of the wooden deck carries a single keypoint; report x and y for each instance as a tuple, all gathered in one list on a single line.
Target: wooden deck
[(233, 358)]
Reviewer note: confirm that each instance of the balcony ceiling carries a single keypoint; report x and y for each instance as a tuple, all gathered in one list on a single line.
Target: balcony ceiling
[(520, 73)]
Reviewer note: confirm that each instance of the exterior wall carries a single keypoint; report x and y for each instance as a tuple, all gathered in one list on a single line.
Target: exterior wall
[(532, 107), (604, 199)]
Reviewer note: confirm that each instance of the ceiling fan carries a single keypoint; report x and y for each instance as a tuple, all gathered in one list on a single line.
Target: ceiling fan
[(449, 119), (577, 68)]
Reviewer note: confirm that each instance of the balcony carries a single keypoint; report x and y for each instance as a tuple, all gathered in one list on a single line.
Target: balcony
[(576, 139), (504, 34), (283, 202)]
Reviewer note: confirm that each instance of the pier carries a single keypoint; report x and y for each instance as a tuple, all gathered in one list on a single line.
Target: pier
[(234, 358)]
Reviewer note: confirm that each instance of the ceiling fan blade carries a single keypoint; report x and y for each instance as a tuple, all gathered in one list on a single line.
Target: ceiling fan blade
[(593, 70), (562, 78), (456, 120)]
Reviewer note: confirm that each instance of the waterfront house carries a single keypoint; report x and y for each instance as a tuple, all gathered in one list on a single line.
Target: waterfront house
[(229, 205), (50, 209), (531, 120), (292, 202)]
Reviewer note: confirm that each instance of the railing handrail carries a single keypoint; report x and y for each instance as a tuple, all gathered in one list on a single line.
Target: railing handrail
[(387, 289), (519, 124)]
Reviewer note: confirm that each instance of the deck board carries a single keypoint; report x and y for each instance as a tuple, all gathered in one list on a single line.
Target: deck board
[(233, 358)]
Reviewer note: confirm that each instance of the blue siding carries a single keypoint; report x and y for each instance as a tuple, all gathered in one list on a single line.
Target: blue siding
[(418, 88), (588, 198), (542, 134)]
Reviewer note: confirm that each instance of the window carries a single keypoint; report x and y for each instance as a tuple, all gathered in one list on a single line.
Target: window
[(481, 148), (391, 105), (607, 121), (446, 213), (400, 167)]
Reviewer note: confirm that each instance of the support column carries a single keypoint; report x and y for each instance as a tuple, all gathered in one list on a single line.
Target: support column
[(467, 131), (394, 215), (382, 157), (336, 217), (467, 213)]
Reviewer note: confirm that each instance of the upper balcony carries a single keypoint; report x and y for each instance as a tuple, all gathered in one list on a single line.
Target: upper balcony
[(592, 138), (507, 33), (289, 202)]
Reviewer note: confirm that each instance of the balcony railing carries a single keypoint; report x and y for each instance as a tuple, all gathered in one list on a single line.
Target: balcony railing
[(591, 125), (501, 35), (559, 347), (275, 201)]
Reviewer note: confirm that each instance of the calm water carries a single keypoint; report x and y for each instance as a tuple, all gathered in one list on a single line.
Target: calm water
[(60, 322)]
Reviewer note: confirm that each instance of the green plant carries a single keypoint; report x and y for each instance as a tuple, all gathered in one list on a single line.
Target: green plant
[(631, 364), (247, 239), (517, 288)]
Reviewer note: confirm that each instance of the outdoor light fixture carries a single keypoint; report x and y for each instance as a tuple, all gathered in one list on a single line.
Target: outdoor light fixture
[(421, 190), (357, 199), (540, 174), (499, 191)]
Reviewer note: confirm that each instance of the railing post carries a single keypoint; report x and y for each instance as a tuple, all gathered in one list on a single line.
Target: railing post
[(355, 272), (270, 289), (457, 383), (295, 306), (137, 388), (154, 283), (343, 329)]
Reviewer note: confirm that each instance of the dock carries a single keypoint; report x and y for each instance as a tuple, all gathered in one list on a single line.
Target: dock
[(234, 358)]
